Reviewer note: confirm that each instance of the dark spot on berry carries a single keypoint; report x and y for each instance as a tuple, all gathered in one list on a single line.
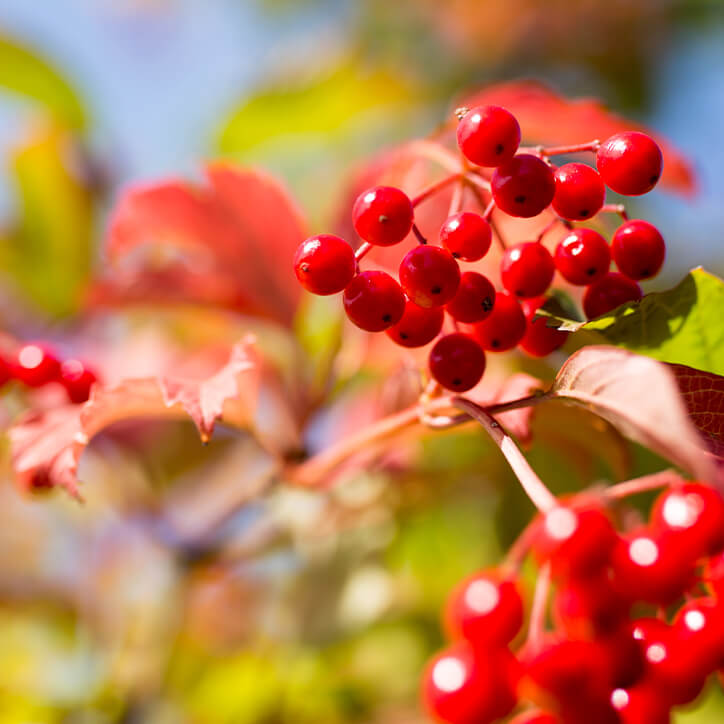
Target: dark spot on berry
[(495, 343), (584, 212), (436, 290), (520, 292), (487, 304), (591, 271), (386, 318), (499, 149), (644, 273), (382, 219), (456, 382), (519, 199), (653, 179), (404, 335), (304, 267), (455, 255)]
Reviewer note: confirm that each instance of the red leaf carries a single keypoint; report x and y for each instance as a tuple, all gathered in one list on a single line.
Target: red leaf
[(550, 119), (46, 446), (229, 243), (703, 395), (641, 398)]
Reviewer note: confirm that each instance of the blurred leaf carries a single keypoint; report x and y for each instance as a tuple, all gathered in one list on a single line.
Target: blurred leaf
[(23, 71), (48, 251)]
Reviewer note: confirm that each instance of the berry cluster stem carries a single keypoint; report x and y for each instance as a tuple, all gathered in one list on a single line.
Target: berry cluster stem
[(546, 151), (536, 624), (619, 209)]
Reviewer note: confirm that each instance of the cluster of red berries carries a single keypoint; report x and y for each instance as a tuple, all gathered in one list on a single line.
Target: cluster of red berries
[(638, 621), (412, 310), (36, 366)]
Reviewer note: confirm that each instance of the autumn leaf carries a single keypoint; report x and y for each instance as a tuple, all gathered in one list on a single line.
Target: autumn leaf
[(228, 243), (550, 119), (641, 398), (46, 446)]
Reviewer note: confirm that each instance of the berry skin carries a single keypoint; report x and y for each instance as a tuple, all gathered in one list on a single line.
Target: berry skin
[(713, 575), (486, 609), (609, 292), (582, 257), (649, 567), (630, 163), (488, 135), (466, 236), (464, 686), (523, 186), (505, 326), (580, 192), (77, 380), (527, 269), (473, 300), (374, 301), (638, 249), (324, 264), (457, 362), (383, 215), (692, 515), (576, 541), (6, 373), (418, 326), (640, 704), (429, 275), (35, 366), (699, 625), (539, 339)]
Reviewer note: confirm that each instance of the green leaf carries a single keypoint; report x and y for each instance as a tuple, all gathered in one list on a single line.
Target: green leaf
[(25, 73)]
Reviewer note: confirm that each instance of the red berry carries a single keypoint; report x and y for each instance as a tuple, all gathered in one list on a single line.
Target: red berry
[(713, 575), (580, 192), (648, 567), (539, 339), (640, 704), (383, 215), (488, 135), (5, 371), (473, 300), (638, 249), (457, 362), (418, 326), (374, 301), (464, 686), (35, 366), (486, 609), (505, 326), (693, 515), (429, 275), (630, 163), (466, 236), (523, 186), (77, 380), (608, 293), (699, 625), (324, 264), (527, 269), (582, 256), (577, 541)]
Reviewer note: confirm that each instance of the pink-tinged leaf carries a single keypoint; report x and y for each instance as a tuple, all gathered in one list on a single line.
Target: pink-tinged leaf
[(703, 395), (550, 119), (641, 398), (46, 446), (227, 243)]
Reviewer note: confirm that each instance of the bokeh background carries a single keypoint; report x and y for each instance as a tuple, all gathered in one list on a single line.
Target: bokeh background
[(300, 607)]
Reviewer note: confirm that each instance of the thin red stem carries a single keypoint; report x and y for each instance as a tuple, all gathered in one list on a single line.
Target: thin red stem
[(562, 150), (362, 250), (489, 210), (553, 222), (432, 189), (643, 484), (619, 209), (497, 233), (536, 623), (533, 486), (418, 235)]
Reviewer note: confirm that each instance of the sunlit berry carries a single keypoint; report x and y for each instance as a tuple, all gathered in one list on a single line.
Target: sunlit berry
[(383, 215), (324, 264), (77, 379), (429, 275), (488, 135), (523, 186), (527, 269), (35, 366), (466, 236), (630, 163), (580, 192), (582, 256), (374, 301), (638, 249)]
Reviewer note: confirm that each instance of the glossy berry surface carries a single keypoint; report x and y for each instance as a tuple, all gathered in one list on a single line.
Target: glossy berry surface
[(640, 704), (574, 541), (582, 257), (692, 514), (457, 362), (462, 686), (35, 366), (488, 135), (418, 326), (473, 300), (638, 249), (630, 163), (466, 236), (77, 380), (527, 269), (429, 275), (523, 186), (383, 215), (609, 292), (699, 626), (505, 326), (374, 301), (580, 192), (539, 339), (486, 609), (324, 264)]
